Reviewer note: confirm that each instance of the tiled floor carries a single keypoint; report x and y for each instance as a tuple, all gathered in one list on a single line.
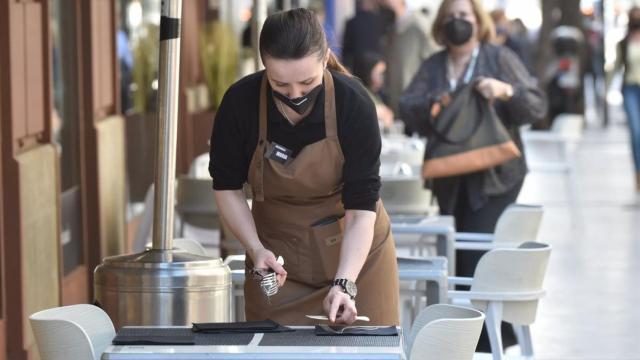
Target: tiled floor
[(592, 308)]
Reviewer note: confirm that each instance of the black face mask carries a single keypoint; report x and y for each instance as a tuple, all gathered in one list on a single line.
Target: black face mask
[(302, 103), (458, 31)]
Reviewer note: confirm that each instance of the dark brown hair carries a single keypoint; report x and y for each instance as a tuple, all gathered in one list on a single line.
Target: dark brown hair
[(294, 34), (486, 28)]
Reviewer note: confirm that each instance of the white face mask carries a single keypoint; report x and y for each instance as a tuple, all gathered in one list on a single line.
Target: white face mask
[(633, 52)]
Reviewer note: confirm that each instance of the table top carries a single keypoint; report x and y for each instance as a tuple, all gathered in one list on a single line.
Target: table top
[(301, 344), (441, 224), (420, 268)]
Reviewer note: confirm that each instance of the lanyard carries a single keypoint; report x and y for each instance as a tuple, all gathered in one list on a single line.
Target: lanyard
[(453, 83)]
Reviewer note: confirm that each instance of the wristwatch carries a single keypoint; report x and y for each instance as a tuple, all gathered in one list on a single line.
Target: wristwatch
[(348, 286)]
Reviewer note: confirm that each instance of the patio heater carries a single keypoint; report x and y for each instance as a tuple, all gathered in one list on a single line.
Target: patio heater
[(163, 285)]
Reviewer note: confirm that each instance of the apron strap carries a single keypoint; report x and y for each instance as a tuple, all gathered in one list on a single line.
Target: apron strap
[(331, 130), (330, 118), (258, 173)]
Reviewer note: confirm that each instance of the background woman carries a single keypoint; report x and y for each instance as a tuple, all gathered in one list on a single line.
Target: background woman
[(476, 200)]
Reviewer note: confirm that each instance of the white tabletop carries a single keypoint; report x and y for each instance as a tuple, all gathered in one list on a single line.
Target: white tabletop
[(254, 351), (437, 225)]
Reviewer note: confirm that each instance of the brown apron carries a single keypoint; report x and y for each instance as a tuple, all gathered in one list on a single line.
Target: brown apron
[(287, 200)]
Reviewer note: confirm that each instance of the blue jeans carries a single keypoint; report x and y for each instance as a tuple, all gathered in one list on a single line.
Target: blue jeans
[(631, 94)]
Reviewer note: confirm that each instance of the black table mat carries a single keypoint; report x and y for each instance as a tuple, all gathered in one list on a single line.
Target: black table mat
[(327, 330), (307, 337), (199, 338), (247, 327)]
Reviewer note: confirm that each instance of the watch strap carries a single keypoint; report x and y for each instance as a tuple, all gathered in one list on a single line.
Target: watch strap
[(343, 284)]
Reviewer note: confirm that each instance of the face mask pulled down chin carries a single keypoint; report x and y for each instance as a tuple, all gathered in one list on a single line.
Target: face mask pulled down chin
[(458, 31), (302, 103)]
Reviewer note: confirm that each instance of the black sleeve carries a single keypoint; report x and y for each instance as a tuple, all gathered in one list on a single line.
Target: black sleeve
[(228, 164), (361, 146), (529, 103), (417, 99)]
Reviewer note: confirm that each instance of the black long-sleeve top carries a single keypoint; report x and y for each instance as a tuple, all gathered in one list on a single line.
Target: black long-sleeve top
[(235, 136), (528, 105)]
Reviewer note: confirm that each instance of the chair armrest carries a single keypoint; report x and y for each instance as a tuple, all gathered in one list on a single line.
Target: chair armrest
[(476, 237), (234, 258), (456, 280), (496, 296)]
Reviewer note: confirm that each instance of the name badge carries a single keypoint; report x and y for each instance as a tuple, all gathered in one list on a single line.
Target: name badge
[(278, 153)]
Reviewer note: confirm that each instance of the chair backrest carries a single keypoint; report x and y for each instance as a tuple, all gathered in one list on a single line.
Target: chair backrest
[(405, 195), (187, 191), (395, 169), (568, 125), (200, 167), (518, 223), (513, 271), (189, 245), (72, 332), (146, 222), (235, 262), (445, 332), (195, 195), (402, 149)]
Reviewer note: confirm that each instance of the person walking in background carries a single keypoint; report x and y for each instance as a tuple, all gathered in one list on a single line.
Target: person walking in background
[(476, 200), (513, 35), (363, 32), (408, 44), (629, 59), (370, 68)]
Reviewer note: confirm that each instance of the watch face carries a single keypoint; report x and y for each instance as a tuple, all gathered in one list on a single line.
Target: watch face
[(351, 288)]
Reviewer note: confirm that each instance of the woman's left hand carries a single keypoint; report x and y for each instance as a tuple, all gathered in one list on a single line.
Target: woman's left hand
[(494, 89), (339, 307)]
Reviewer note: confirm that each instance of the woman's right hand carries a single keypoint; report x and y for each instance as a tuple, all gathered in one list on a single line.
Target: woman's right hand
[(265, 259)]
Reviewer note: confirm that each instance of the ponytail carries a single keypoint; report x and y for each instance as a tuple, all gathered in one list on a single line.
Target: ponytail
[(334, 64)]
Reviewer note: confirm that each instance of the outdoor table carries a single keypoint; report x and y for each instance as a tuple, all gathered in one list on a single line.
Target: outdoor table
[(302, 344)]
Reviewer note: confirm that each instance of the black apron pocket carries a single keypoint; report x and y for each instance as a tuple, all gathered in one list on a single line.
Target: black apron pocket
[(327, 239)]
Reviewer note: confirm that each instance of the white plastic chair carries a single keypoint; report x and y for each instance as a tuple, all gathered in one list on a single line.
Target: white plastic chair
[(189, 245), (445, 332), (405, 195), (195, 203), (507, 286), (401, 148), (517, 224), (143, 232), (200, 167), (236, 264), (553, 150), (72, 332)]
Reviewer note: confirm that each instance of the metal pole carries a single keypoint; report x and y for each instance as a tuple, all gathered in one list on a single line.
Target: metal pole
[(169, 76)]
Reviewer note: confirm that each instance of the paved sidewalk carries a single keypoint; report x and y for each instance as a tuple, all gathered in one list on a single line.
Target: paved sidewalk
[(592, 308)]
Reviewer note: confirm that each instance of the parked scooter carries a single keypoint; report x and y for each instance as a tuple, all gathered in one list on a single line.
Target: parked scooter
[(563, 76)]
